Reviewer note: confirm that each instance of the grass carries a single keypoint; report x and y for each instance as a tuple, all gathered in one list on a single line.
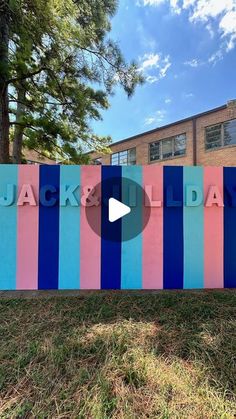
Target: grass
[(119, 355)]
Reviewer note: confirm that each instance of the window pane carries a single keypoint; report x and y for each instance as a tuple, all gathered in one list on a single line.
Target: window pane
[(213, 137), (180, 145), (123, 158), (114, 159), (132, 156), (230, 132), (213, 145), (154, 150), (213, 128), (97, 161), (166, 149)]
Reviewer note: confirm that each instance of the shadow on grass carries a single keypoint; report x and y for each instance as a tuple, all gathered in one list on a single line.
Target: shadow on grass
[(119, 355)]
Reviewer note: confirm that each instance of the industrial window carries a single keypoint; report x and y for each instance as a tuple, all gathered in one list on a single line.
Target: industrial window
[(124, 158), (97, 161), (221, 135), (31, 162), (168, 148)]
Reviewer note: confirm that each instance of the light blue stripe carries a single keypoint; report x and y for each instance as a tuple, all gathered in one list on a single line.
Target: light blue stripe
[(8, 230), (69, 236), (193, 232), (131, 250)]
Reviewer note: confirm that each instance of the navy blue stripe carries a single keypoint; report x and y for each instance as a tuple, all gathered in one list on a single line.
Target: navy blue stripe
[(229, 227), (173, 227), (110, 249), (49, 229)]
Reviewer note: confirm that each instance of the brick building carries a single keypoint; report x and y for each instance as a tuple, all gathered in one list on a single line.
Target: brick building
[(208, 138), (34, 157)]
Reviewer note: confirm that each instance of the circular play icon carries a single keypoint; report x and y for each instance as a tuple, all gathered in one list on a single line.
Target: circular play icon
[(120, 209), (117, 210)]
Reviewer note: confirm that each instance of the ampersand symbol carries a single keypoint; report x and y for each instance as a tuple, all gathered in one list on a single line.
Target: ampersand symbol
[(89, 199)]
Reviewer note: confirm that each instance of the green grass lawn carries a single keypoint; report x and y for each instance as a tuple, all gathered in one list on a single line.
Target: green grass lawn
[(119, 355)]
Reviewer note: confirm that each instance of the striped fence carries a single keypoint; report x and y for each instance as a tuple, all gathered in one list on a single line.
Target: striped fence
[(47, 243)]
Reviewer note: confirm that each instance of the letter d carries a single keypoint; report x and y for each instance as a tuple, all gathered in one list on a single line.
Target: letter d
[(194, 196)]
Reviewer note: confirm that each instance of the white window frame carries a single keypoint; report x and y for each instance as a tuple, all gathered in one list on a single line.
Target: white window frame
[(119, 153), (161, 141), (222, 145)]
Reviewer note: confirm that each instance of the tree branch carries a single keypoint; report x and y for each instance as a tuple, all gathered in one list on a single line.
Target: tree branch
[(101, 56), (27, 76)]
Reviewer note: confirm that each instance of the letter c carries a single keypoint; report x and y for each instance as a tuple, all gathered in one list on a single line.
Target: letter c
[(43, 195)]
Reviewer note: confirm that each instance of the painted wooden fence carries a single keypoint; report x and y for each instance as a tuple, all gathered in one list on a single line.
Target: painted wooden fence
[(46, 241)]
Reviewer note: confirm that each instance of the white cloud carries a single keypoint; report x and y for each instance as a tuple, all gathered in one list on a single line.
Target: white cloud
[(203, 9), (188, 3), (224, 11), (210, 30), (214, 58), (193, 63), (150, 2), (152, 79), (149, 120), (188, 95), (221, 12), (157, 118), (154, 66), (174, 4), (168, 101), (150, 61), (228, 26), (165, 68)]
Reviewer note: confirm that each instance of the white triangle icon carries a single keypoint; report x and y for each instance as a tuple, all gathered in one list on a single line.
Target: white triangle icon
[(117, 210)]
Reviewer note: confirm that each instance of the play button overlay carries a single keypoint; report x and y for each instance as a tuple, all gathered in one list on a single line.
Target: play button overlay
[(117, 210)]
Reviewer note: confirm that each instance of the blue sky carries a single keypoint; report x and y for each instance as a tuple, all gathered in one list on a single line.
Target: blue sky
[(187, 51)]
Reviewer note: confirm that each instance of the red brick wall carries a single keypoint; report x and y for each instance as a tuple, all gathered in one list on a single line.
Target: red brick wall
[(225, 156)]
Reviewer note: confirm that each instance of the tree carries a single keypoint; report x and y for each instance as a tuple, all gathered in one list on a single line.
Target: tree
[(60, 67), (4, 75)]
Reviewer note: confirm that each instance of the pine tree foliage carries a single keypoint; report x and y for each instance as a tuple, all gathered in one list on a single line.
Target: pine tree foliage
[(59, 69)]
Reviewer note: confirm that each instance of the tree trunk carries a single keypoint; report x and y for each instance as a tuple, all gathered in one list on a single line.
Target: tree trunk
[(19, 129), (4, 101)]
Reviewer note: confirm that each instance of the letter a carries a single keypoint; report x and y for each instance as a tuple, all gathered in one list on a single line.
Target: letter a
[(214, 197), (26, 196)]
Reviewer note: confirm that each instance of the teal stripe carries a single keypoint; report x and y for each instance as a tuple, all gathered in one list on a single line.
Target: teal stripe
[(69, 227), (131, 250), (193, 232), (8, 230)]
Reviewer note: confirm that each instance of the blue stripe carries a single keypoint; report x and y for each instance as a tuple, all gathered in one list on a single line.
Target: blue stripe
[(193, 231), (69, 242), (131, 256), (8, 230), (110, 249), (49, 230), (230, 227), (173, 227)]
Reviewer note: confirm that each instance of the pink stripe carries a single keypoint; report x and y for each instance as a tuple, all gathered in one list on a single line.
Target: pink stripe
[(27, 232), (153, 232), (213, 232), (90, 242)]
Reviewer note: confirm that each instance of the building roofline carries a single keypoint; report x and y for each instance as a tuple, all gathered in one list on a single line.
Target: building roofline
[(180, 121)]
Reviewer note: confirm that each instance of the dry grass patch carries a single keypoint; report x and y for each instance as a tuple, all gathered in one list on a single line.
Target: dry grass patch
[(167, 355)]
